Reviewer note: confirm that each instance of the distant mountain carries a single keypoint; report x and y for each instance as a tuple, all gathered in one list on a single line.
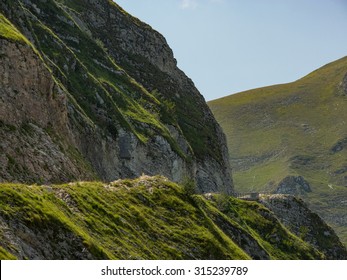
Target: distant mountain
[(292, 138), (152, 218), (88, 91)]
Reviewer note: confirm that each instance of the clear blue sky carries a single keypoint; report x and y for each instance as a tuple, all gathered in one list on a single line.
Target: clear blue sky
[(228, 46)]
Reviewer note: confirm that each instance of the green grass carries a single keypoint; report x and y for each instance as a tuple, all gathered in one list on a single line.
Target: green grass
[(9, 31), (5, 255), (253, 219), (145, 218), (262, 177), (290, 129)]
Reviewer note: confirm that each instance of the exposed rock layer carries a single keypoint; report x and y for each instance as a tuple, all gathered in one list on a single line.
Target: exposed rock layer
[(101, 93)]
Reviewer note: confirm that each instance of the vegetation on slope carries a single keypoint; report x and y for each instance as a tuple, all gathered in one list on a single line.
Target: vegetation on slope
[(8, 31), (5, 255), (110, 79), (146, 218), (119, 94), (292, 129), (104, 92)]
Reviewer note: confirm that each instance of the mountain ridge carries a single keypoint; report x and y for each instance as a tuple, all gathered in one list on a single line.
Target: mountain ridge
[(292, 130), (147, 218)]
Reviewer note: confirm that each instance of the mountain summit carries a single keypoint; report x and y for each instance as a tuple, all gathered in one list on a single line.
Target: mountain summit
[(90, 92)]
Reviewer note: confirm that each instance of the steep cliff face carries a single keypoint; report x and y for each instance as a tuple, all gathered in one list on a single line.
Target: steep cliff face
[(33, 112), (97, 93)]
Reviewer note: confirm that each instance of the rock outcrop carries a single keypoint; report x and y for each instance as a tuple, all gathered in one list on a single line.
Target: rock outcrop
[(299, 219), (294, 185), (342, 87), (97, 94)]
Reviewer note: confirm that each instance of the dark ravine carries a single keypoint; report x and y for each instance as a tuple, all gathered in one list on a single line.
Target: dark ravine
[(102, 97)]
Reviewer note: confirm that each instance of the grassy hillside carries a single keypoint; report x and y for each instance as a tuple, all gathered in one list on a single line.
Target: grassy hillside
[(293, 129), (146, 218)]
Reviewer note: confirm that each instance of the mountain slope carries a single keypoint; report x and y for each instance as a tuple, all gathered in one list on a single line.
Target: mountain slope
[(294, 133), (89, 92), (146, 218)]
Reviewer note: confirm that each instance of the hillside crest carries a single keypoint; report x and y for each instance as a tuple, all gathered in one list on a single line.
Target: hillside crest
[(291, 138)]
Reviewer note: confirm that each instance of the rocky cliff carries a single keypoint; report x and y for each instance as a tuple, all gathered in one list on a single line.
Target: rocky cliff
[(88, 91), (300, 220)]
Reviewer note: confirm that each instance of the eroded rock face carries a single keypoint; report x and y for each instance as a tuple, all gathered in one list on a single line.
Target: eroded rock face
[(145, 54), (56, 242), (28, 92), (85, 91), (33, 115), (38, 130), (296, 215)]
